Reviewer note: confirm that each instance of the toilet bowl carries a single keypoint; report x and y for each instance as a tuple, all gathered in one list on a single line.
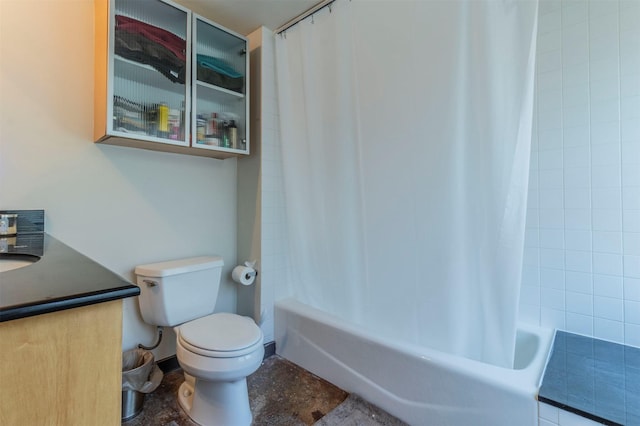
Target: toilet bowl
[(219, 364), (216, 351)]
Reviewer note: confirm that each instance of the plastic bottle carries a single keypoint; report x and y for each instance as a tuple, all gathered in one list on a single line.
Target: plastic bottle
[(212, 125), (163, 120), (225, 135), (174, 124), (201, 127), (233, 135), (182, 122)]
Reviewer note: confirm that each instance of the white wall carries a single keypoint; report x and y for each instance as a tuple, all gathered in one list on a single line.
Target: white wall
[(582, 256), (272, 208), (260, 187), (250, 191), (119, 206)]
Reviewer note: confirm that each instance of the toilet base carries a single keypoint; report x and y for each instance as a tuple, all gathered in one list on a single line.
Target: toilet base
[(216, 403)]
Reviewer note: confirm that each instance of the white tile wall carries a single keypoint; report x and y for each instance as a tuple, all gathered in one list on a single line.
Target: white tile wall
[(582, 256), (582, 243), (553, 416)]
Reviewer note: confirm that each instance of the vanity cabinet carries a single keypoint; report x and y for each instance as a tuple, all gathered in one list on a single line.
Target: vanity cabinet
[(63, 368), (169, 80)]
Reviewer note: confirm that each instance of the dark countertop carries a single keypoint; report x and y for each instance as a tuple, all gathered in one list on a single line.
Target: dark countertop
[(594, 378), (62, 279)]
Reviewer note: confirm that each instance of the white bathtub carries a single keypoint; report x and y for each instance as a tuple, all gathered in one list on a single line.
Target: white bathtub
[(420, 386)]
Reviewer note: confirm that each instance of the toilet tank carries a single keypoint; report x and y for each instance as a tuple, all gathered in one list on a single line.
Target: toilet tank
[(177, 291)]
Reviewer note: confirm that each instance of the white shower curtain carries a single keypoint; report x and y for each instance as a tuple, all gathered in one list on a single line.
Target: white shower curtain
[(405, 130)]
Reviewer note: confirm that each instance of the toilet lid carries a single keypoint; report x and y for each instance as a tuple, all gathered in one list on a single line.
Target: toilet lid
[(221, 332)]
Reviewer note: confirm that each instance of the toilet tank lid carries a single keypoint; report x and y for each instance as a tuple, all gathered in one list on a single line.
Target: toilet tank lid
[(180, 266)]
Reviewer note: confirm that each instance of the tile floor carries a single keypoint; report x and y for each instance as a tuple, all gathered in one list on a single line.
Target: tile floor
[(280, 394)]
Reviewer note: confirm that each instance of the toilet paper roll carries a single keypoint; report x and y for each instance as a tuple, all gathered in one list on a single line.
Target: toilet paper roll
[(244, 275)]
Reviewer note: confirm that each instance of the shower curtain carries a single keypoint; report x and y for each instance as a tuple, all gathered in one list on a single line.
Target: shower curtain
[(405, 130)]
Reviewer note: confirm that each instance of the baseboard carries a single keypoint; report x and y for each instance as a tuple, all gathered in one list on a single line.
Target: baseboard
[(269, 349), (171, 363), (168, 364)]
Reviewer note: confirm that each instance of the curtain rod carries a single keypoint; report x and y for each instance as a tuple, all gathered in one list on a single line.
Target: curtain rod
[(304, 15)]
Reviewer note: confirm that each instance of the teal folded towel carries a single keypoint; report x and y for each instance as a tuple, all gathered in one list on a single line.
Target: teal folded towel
[(217, 65)]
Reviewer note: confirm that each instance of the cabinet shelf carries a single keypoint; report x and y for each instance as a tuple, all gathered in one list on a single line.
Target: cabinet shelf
[(196, 150), (220, 91), (228, 151), (147, 138), (144, 74)]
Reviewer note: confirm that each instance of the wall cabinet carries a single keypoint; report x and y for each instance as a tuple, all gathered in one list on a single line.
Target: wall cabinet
[(169, 80)]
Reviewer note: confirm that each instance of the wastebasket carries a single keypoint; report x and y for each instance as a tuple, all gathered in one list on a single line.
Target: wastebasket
[(140, 375)]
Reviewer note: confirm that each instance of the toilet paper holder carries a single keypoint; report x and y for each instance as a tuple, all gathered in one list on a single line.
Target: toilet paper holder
[(245, 274)]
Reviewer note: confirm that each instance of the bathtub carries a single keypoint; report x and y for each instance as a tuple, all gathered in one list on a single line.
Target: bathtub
[(420, 386)]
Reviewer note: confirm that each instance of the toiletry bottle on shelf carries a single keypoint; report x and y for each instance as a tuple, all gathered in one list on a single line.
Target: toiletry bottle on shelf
[(233, 135), (174, 124), (225, 135), (182, 122), (163, 120), (212, 126), (201, 125)]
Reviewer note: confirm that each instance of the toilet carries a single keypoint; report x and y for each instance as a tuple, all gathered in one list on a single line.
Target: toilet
[(216, 351)]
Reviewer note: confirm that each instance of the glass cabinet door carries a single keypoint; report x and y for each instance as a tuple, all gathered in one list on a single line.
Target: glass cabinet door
[(220, 67), (151, 69)]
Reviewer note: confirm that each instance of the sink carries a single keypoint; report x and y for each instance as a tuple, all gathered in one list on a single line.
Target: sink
[(8, 263)]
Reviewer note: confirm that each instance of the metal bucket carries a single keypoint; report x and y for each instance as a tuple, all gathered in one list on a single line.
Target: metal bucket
[(132, 402)]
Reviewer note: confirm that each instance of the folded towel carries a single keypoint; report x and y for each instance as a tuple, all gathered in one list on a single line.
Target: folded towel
[(177, 45), (218, 65)]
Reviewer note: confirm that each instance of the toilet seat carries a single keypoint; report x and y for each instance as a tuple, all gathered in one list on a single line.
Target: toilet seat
[(220, 335)]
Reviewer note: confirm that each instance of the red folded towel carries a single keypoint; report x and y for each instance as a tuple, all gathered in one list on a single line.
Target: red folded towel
[(175, 44)]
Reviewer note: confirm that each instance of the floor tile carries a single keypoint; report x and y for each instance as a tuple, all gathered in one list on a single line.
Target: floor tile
[(280, 393)]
